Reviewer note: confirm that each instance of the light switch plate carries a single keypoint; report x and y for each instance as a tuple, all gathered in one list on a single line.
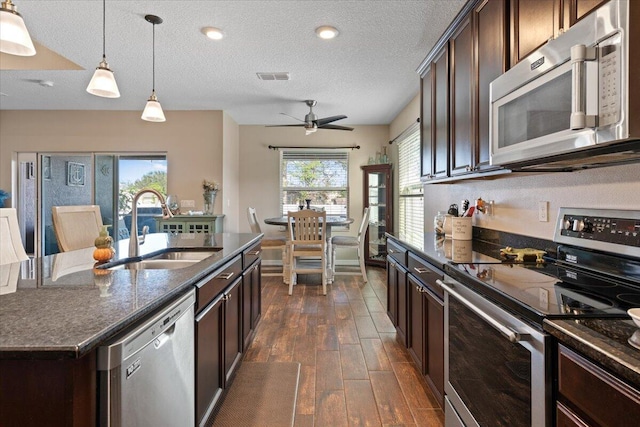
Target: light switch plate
[(543, 211)]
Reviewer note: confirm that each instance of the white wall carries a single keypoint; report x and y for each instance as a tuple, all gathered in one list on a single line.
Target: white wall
[(231, 173), (517, 195)]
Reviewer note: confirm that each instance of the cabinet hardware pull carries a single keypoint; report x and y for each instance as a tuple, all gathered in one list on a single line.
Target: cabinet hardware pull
[(421, 270), (391, 251), (255, 253), (225, 276)]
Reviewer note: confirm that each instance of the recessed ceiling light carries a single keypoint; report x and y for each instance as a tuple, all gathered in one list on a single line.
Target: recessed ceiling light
[(213, 33), (326, 32)]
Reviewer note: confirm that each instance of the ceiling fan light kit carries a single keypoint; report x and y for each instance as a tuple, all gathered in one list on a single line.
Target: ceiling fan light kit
[(103, 83), (213, 33), (153, 110), (14, 36), (327, 32)]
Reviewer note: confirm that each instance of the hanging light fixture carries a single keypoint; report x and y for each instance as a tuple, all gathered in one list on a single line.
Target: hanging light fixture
[(103, 83), (14, 36), (153, 110)]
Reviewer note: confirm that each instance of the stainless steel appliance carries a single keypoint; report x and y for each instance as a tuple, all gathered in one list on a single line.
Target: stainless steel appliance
[(574, 102), (497, 357), (146, 376)]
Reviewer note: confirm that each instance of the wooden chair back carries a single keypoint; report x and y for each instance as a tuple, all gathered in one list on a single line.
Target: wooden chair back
[(253, 220), (305, 227), (76, 227)]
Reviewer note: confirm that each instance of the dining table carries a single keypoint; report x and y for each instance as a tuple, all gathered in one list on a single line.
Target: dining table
[(332, 221)]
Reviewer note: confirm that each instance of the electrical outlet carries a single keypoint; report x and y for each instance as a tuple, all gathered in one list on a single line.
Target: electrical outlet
[(543, 211), (187, 203)]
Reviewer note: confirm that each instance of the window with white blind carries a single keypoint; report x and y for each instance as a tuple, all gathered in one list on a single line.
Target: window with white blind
[(321, 177), (410, 197)]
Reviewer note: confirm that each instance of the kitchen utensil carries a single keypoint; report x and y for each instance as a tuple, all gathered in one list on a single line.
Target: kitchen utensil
[(453, 210), (469, 212), (518, 255), (464, 206)]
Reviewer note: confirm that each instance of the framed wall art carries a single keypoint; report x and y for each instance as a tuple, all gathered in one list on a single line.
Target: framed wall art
[(75, 174)]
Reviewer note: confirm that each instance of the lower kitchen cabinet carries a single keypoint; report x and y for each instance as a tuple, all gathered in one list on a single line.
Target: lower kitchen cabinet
[(587, 395), (228, 305), (415, 304)]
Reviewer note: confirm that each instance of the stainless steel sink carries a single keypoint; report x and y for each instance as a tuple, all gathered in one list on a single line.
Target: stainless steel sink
[(169, 260), (155, 264)]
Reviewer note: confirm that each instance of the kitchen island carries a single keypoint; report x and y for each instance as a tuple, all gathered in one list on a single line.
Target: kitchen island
[(57, 310)]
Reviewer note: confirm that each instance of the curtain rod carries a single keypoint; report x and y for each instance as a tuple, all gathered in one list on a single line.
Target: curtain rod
[(404, 132), (277, 147)]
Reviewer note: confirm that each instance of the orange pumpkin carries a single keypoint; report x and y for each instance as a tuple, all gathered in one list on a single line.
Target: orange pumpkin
[(103, 254)]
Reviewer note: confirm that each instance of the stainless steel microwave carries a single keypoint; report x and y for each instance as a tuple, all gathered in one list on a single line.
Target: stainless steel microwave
[(573, 103)]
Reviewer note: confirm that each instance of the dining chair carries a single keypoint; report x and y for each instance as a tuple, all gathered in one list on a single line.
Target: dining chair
[(338, 242), (270, 243), (76, 227), (307, 239), (11, 248)]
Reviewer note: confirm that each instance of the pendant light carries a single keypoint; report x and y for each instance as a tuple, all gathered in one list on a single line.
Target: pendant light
[(14, 36), (153, 110), (103, 83)]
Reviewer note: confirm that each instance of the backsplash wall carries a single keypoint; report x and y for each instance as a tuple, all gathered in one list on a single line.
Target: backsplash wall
[(516, 196)]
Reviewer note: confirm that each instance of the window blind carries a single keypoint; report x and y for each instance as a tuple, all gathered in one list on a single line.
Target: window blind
[(410, 198)]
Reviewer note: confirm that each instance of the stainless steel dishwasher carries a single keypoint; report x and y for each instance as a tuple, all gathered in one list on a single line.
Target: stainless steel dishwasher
[(146, 375)]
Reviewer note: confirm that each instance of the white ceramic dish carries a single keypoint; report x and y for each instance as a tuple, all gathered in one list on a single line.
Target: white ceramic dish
[(635, 315), (634, 340)]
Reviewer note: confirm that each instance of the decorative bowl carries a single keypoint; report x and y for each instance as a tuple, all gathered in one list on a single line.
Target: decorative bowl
[(635, 315)]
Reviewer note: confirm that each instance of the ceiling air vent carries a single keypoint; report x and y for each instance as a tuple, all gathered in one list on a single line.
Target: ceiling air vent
[(274, 76)]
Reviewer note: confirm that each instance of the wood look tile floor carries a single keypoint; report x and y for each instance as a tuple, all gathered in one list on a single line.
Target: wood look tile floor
[(353, 371)]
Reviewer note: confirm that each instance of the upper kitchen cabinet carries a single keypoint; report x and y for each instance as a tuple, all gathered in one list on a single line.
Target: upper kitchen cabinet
[(489, 20), (533, 23), (461, 91), (440, 114), (426, 113), (575, 10)]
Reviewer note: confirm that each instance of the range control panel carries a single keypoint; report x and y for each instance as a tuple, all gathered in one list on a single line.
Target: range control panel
[(614, 231)]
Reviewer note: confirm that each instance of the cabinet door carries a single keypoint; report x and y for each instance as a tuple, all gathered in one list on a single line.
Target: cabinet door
[(256, 295), (172, 226), (435, 345), (209, 383), (417, 320), (426, 137), (199, 227), (378, 197), (251, 302), (402, 328), (462, 132), (489, 22), (232, 329), (392, 291), (440, 70), (533, 23)]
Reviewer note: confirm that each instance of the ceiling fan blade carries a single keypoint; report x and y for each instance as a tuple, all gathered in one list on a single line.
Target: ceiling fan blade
[(295, 118), (326, 120), (284, 126), (336, 127)]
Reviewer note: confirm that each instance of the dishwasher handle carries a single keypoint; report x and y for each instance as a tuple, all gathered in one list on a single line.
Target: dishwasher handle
[(508, 333)]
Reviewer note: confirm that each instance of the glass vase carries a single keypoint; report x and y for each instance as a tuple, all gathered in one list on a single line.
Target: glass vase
[(209, 201)]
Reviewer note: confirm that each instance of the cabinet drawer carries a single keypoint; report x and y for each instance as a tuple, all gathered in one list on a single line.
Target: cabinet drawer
[(250, 255), (426, 273), (211, 286), (397, 252), (594, 392)]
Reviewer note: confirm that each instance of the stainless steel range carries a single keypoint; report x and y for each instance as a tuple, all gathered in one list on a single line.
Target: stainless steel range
[(497, 357)]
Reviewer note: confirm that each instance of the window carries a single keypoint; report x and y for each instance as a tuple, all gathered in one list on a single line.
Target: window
[(410, 198), (320, 178)]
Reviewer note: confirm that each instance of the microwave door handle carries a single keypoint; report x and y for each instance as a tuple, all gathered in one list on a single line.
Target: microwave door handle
[(579, 118), (509, 334)]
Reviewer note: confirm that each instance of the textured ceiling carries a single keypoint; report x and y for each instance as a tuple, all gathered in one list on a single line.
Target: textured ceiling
[(367, 72)]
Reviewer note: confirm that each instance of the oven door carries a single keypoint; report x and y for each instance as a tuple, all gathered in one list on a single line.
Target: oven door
[(496, 366)]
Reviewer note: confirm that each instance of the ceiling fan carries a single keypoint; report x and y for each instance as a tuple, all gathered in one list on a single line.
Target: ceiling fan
[(312, 123)]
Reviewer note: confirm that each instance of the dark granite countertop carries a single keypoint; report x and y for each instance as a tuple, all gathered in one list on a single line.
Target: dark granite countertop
[(60, 306), (613, 343)]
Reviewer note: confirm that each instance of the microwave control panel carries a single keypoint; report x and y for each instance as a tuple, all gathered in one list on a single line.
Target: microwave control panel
[(609, 81)]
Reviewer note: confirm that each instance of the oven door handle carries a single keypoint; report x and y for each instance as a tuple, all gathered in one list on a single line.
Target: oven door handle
[(508, 333)]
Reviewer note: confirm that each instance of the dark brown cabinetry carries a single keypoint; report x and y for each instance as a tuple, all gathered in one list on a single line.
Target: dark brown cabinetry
[(228, 305), (590, 396), (440, 105), (533, 23), (490, 62), (426, 135), (415, 306), (378, 197)]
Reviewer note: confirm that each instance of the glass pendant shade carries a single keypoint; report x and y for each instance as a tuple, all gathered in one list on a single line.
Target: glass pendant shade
[(14, 36), (153, 110), (103, 83)]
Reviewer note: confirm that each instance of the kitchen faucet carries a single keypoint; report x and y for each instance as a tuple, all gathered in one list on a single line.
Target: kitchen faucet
[(133, 239)]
